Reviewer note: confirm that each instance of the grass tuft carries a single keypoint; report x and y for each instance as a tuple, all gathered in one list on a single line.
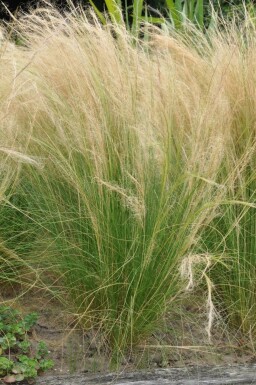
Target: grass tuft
[(129, 158)]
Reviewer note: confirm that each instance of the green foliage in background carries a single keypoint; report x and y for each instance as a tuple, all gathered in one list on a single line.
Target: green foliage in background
[(178, 13)]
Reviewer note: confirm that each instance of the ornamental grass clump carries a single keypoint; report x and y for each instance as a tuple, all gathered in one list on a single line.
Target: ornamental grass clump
[(128, 169), (131, 158)]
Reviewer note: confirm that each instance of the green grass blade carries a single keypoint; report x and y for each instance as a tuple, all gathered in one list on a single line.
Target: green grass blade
[(115, 10), (98, 13), (175, 12), (153, 20), (191, 9), (137, 13), (199, 13)]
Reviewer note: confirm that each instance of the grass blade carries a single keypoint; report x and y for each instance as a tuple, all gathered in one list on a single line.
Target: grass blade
[(98, 13), (115, 11), (137, 16), (199, 13), (175, 9)]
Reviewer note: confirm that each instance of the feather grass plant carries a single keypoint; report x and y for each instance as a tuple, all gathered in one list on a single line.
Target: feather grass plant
[(147, 156), (126, 184)]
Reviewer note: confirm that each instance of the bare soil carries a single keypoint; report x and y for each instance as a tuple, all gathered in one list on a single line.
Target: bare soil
[(182, 341)]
